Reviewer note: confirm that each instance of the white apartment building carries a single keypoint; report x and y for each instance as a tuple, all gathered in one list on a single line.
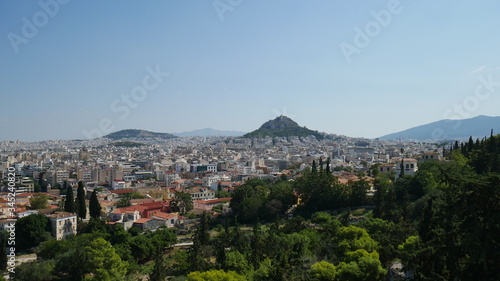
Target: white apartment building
[(63, 224), (409, 165)]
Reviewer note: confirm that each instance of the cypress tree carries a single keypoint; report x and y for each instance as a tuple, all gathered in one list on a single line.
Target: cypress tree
[(314, 168), (195, 258), (80, 199), (42, 184), (94, 206), (455, 147), (470, 146), (257, 243), (321, 164), (328, 166), (219, 188), (69, 204), (492, 143), (202, 231)]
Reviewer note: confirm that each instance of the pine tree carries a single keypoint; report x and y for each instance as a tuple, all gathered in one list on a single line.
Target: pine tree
[(69, 203), (94, 206), (80, 200)]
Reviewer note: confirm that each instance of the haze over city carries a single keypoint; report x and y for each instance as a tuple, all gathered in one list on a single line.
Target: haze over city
[(333, 66)]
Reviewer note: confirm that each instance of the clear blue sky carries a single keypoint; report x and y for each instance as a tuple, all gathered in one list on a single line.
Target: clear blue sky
[(235, 69)]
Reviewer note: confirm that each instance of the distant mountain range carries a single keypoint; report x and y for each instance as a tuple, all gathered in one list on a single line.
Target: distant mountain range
[(447, 129), (209, 132), (132, 133), (282, 126)]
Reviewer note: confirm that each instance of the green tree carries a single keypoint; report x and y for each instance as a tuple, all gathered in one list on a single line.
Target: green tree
[(323, 271), (39, 201), (215, 275), (124, 202), (80, 199), (160, 269), (69, 203), (361, 265), (41, 182), (72, 264), (237, 262), (283, 192), (248, 199), (34, 271), (104, 263), (31, 231), (358, 192), (203, 231), (219, 189), (257, 245), (142, 248), (351, 238), (94, 206), (182, 202)]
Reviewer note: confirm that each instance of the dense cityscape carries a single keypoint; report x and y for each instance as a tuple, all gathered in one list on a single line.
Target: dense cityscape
[(233, 140), (178, 207)]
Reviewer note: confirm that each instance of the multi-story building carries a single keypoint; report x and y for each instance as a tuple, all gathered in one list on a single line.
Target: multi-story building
[(84, 175), (201, 193), (57, 176), (63, 224), (409, 166), (209, 180), (429, 156)]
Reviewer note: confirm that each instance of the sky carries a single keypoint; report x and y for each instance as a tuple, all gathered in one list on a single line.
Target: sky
[(79, 69)]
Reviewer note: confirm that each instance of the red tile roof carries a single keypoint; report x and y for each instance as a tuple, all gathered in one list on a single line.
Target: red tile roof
[(142, 220), (213, 201), (165, 216)]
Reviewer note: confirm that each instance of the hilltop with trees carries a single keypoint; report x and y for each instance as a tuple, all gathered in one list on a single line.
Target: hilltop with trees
[(282, 126)]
